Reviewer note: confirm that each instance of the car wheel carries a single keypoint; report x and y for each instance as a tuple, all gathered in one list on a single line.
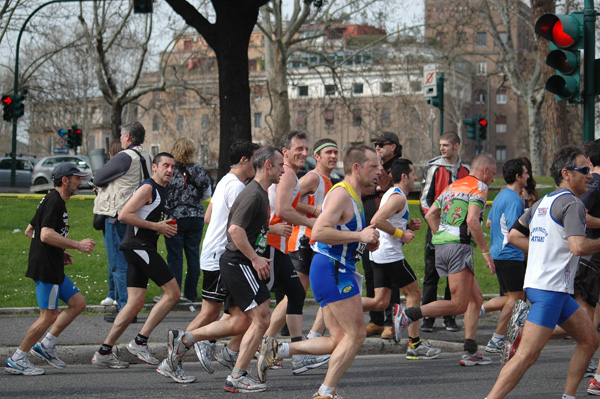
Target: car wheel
[(40, 180)]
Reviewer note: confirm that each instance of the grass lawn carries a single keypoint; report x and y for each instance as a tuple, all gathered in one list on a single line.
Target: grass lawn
[(89, 272)]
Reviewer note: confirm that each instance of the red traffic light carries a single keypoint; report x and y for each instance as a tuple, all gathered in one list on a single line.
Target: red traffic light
[(7, 100), (78, 131), (563, 30), (482, 122)]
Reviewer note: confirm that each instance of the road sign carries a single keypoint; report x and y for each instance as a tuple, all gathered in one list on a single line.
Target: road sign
[(62, 132), (60, 142), (61, 150), (429, 81)]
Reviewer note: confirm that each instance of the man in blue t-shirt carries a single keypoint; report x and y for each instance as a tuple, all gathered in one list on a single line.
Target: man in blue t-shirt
[(509, 260)]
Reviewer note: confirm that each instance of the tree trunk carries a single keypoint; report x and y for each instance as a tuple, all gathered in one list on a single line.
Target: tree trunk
[(275, 66), (116, 113)]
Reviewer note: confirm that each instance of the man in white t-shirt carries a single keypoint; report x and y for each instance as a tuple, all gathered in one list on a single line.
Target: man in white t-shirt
[(553, 231)]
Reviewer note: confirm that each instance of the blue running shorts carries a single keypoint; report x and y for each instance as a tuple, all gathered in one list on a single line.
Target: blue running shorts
[(549, 308), (323, 284), (48, 294)]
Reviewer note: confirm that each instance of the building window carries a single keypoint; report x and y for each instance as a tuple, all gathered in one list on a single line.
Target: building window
[(329, 90), (385, 116), (205, 122), (480, 98), (500, 127), (481, 68), (501, 97), (156, 97), (503, 36), (328, 115), (500, 153), (154, 149), (155, 123), (481, 39), (356, 117), (302, 91), (301, 119), (180, 96), (187, 45), (386, 87), (357, 88), (257, 119), (179, 122)]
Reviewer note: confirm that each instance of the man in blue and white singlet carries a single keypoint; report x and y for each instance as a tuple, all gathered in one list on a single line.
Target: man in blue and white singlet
[(553, 231), (340, 234)]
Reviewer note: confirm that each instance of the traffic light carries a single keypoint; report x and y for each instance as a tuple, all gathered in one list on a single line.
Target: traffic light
[(78, 136), (71, 139), (8, 104), (471, 125), (19, 107), (142, 6), (565, 34), (482, 123)]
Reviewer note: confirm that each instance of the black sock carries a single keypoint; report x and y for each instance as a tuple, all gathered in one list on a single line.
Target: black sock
[(296, 339), (141, 340), (414, 342), (105, 349), (414, 313), (470, 346), (212, 341)]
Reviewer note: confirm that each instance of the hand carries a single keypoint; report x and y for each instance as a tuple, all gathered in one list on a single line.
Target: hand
[(489, 262), (317, 211), (415, 224), (261, 265), (86, 245), (407, 236), (166, 229), (372, 247), (67, 258), (370, 235), (281, 229)]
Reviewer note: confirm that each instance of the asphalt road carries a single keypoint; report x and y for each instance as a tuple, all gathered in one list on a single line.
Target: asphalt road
[(381, 376)]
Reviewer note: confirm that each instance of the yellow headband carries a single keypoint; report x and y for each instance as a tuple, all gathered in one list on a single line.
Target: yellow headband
[(324, 145)]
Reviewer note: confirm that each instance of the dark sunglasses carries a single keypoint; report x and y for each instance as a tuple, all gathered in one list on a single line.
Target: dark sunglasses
[(381, 145), (584, 169)]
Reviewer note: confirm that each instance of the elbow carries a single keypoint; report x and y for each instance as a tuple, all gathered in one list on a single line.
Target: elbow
[(577, 250), (44, 236), (122, 217)]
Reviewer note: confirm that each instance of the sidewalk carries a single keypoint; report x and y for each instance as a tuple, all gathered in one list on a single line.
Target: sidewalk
[(83, 337)]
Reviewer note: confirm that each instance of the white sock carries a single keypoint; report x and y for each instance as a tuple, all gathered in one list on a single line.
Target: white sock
[(49, 341), (283, 350), (565, 396), (482, 310), (232, 353), (324, 390), (597, 377), (313, 334), (19, 354), (497, 337)]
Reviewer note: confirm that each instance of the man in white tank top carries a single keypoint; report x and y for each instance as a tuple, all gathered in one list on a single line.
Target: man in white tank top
[(553, 231)]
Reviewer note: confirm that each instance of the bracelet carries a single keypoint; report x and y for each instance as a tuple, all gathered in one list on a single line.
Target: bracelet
[(398, 233), (485, 253)]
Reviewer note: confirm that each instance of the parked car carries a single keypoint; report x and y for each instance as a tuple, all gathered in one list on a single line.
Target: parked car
[(42, 173), (23, 172)]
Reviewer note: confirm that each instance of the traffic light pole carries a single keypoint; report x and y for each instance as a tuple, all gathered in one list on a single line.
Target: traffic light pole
[(589, 74), (441, 97)]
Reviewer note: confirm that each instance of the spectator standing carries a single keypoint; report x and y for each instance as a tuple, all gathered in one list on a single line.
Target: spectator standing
[(117, 180), (187, 189)]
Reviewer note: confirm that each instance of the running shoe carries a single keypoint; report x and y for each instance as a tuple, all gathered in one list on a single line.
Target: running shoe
[(332, 395), (267, 357), (514, 330), (142, 352), (494, 346), (48, 354), (179, 375), (22, 366), (303, 363), (110, 361), (205, 351), (401, 321), (450, 325), (245, 383), (427, 324), (176, 349), (225, 359), (476, 359), (593, 387), (108, 301), (423, 351), (591, 369)]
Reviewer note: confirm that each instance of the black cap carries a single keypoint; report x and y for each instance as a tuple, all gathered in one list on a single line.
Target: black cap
[(387, 136), (66, 169)]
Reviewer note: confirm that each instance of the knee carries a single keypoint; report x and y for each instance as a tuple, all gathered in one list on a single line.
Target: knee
[(79, 305), (48, 318), (296, 302), (381, 303)]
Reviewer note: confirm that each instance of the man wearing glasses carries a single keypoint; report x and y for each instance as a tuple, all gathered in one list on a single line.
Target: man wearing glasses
[(553, 231), (388, 149)]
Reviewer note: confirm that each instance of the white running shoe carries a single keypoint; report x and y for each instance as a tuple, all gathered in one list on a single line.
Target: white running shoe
[(225, 359), (176, 349), (476, 359), (303, 363), (244, 383), (22, 366), (108, 301), (205, 351), (267, 358), (142, 352), (48, 354), (110, 361), (401, 321), (423, 351), (179, 375)]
